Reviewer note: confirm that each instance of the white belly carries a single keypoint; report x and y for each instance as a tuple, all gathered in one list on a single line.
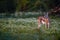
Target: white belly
[(43, 22)]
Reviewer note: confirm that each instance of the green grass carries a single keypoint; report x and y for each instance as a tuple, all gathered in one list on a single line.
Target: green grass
[(26, 29)]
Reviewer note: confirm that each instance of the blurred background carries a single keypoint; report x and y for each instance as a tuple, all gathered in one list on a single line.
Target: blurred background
[(14, 7)]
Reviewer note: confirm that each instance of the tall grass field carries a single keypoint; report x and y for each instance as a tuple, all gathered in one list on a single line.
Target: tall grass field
[(26, 29)]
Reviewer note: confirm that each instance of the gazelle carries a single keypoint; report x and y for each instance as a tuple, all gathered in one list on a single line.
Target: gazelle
[(43, 20)]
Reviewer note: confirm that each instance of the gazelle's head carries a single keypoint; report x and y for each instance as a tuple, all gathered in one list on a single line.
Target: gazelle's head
[(46, 14)]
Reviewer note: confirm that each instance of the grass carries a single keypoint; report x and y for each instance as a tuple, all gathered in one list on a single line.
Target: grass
[(26, 29)]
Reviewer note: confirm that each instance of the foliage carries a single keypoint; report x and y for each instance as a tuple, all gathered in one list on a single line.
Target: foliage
[(26, 29), (27, 5)]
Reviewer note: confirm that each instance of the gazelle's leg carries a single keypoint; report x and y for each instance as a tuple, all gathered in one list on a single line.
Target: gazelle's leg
[(48, 25), (45, 25), (39, 23)]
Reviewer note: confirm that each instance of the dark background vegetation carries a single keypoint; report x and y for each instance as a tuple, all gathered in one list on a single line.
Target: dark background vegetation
[(11, 6)]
